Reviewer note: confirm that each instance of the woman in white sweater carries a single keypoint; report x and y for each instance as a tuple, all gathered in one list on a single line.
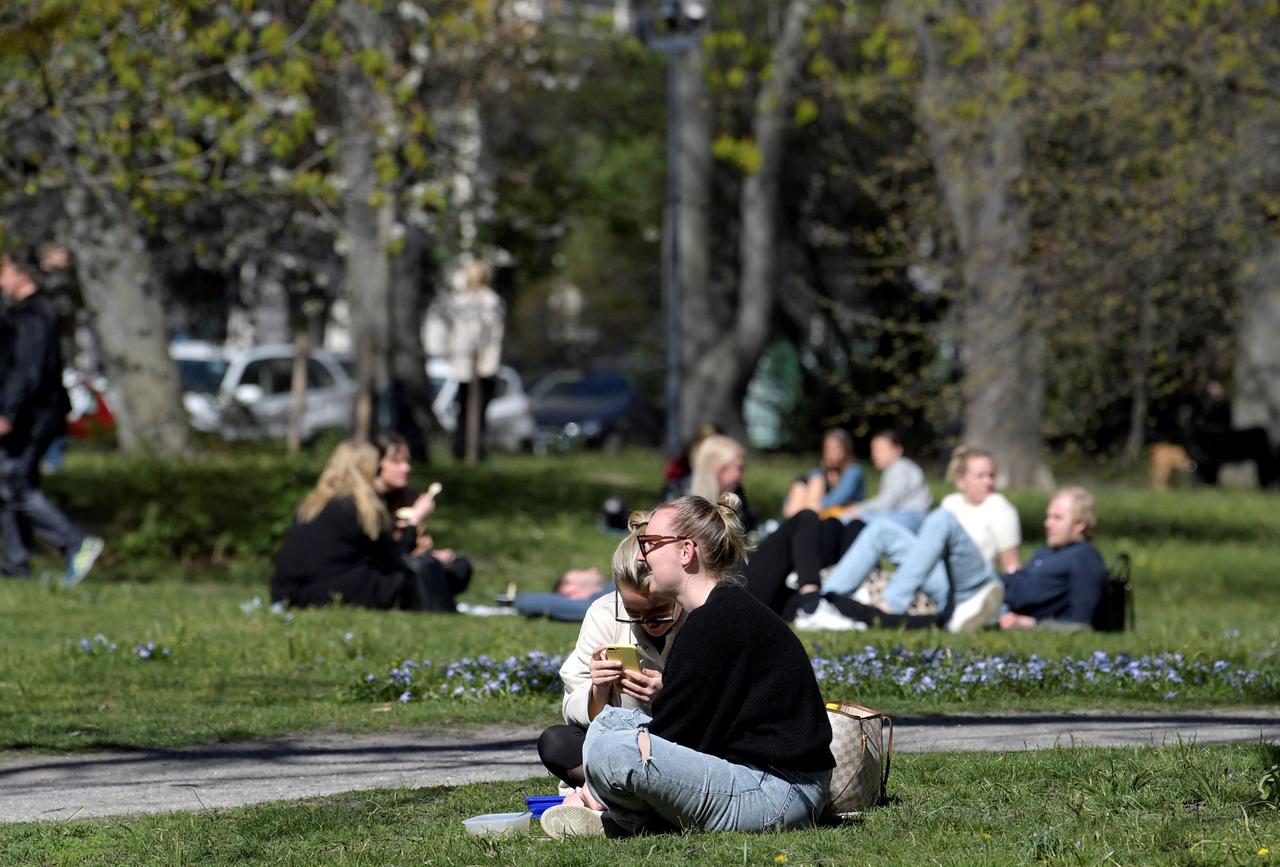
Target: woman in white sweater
[(629, 615)]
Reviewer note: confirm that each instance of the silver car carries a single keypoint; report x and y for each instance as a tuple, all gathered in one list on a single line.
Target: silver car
[(508, 419), (246, 393)]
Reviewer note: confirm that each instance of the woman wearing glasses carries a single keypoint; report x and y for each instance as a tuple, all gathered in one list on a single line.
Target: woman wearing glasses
[(629, 615), (738, 739)]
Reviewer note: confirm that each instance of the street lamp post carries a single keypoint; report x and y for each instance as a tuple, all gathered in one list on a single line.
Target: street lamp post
[(677, 30)]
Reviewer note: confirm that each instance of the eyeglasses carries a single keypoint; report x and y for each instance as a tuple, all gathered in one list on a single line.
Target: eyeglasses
[(621, 615), (649, 544)]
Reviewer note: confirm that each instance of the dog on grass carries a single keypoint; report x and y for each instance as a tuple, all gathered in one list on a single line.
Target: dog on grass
[(1167, 460)]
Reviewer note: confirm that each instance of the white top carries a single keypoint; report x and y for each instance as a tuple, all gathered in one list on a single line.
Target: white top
[(599, 627), (992, 524), (475, 321)]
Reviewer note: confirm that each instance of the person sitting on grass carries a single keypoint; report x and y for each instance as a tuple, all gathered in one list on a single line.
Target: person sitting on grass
[(1063, 581), (631, 614), (903, 496), (837, 481), (738, 739), (954, 560), (719, 465), (341, 547), (409, 511)]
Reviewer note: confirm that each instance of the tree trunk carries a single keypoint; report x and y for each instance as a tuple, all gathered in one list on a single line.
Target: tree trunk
[(298, 392), (368, 212), (703, 318), (1139, 375), (979, 166), (119, 287), (409, 294), (718, 377), (1256, 397)]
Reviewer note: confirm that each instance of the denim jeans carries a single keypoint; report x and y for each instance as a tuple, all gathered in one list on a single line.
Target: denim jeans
[(940, 560), (910, 520), (27, 509), (677, 787)]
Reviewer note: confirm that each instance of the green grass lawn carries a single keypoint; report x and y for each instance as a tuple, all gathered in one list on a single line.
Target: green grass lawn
[(1175, 805), (189, 547)]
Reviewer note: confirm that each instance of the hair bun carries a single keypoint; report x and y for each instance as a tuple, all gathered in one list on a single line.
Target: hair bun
[(637, 519), (730, 501)]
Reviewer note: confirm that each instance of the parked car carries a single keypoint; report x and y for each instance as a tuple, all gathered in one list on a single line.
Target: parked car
[(90, 416), (509, 422), (597, 409), (246, 393)]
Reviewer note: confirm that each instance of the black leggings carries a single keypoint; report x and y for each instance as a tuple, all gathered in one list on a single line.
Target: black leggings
[(873, 616), (560, 748), (803, 544)]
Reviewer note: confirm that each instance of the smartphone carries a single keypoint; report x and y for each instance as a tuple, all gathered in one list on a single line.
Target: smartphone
[(624, 653)]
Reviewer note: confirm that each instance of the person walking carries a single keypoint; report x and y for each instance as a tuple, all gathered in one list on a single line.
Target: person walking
[(33, 413)]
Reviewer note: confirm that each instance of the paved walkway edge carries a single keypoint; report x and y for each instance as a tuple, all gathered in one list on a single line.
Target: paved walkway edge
[(41, 788)]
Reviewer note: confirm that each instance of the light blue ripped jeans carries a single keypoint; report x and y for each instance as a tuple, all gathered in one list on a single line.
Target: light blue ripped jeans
[(940, 560), (683, 788)]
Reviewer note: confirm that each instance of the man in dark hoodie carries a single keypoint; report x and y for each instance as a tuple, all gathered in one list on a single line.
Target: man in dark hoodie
[(33, 413)]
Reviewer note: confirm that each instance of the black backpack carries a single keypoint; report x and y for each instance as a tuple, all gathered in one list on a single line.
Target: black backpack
[(1115, 607)]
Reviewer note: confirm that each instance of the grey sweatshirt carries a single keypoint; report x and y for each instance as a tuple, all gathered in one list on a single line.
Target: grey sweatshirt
[(902, 489)]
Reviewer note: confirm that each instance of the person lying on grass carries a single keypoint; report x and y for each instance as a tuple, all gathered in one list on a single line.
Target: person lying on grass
[(738, 739), (631, 614), (570, 597), (341, 547)]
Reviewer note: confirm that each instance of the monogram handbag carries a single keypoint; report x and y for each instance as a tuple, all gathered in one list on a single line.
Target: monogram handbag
[(862, 757)]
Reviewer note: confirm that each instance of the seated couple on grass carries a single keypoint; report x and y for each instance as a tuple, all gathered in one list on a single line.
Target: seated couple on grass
[(950, 561), (724, 728), (359, 538)]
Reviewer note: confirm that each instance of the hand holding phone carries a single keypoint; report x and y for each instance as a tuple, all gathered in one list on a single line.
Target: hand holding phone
[(624, 653)]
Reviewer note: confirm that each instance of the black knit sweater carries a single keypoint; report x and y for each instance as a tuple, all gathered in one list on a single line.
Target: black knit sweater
[(739, 685)]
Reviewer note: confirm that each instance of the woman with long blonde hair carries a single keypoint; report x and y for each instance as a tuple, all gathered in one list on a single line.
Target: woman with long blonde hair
[(341, 548), (718, 464)]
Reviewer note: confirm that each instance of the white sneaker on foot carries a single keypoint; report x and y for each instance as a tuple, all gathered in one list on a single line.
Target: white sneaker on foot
[(572, 820), (827, 616), (976, 611), (81, 561)]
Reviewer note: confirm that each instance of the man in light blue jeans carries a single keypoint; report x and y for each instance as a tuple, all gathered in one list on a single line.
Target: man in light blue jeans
[(940, 560), (667, 785)]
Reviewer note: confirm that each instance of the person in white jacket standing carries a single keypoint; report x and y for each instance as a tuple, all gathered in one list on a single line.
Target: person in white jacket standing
[(476, 321), (629, 615)]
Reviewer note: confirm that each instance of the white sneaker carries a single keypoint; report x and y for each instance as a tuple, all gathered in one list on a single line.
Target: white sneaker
[(827, 616), (976, 611), (572, 820)]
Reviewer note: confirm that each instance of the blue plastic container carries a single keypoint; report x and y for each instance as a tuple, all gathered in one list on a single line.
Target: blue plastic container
[(539, 804)]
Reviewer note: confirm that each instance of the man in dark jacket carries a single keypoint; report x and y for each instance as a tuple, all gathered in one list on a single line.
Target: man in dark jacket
[(33, 413), (1063, 581)]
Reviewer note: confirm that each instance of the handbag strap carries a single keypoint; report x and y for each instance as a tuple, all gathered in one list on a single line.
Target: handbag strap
[(888, 760)]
